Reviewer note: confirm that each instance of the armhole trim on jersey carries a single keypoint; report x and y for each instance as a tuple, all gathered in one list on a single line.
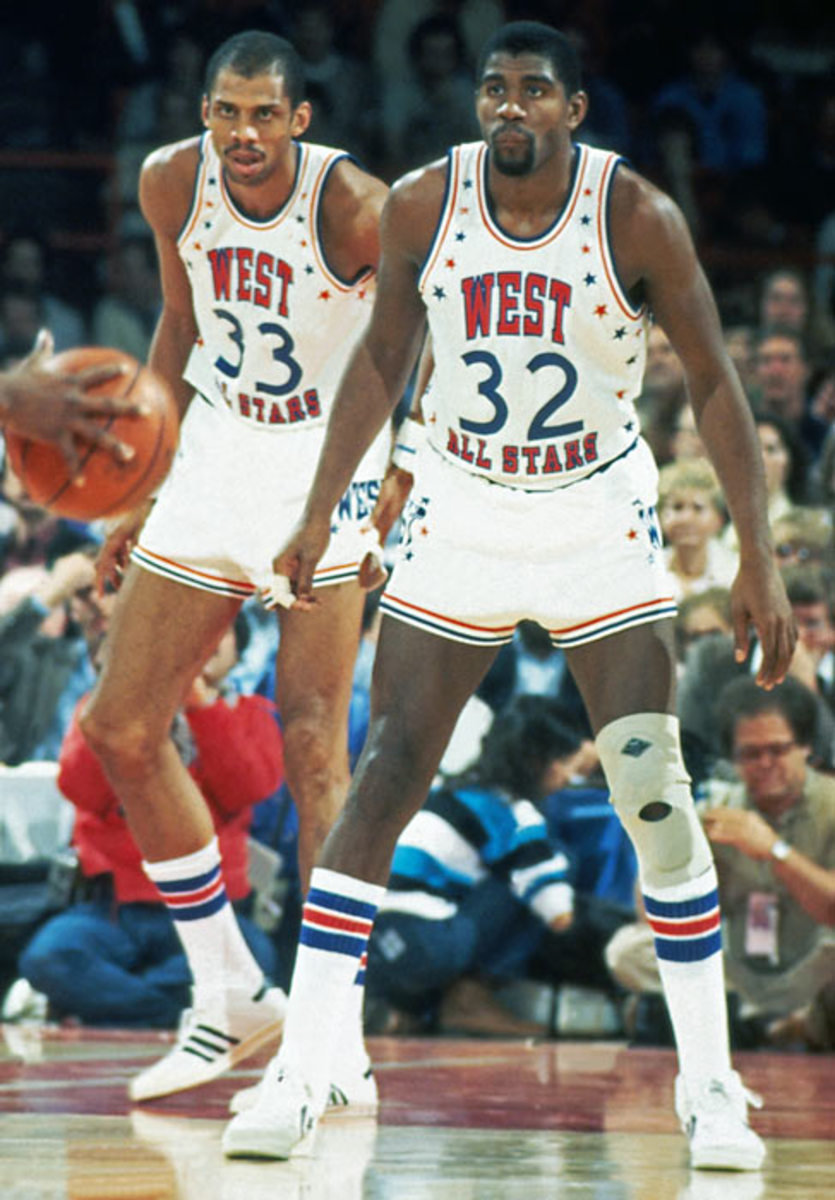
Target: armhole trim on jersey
[(604, 232), (198, 189), (445, 215), (317, 192)]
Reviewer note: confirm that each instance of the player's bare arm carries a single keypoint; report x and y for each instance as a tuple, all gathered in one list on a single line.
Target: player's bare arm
[(378, 371), (654, 250), (165, 196), (352, 207)]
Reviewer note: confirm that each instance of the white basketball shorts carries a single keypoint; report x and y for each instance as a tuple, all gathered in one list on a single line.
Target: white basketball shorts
[(233, 497), (584, 561)]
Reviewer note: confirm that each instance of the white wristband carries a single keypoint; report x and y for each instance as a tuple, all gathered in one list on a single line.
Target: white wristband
[(408, 441)]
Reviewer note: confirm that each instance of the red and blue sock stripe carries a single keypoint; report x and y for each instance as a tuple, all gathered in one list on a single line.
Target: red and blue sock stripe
[(194, 898), (336, 923), (685, 930)]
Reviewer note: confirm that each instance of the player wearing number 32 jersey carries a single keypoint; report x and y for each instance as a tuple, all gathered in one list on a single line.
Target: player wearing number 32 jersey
[(539, 355)]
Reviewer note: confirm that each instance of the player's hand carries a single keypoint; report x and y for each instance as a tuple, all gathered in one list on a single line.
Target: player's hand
[(300, 555), (113, 558), (758, 598), (48, 406), (394, 492)]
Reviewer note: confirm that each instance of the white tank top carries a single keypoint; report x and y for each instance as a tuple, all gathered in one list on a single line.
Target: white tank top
[(276, 326), (539, 354)]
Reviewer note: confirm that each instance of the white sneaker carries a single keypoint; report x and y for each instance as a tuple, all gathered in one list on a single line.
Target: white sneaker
[(210, 1041), (715, 1119), (281, 1121), (354, 1093)]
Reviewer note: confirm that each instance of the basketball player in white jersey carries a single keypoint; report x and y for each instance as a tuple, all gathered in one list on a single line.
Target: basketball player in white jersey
[(268, 248), (535, 261)]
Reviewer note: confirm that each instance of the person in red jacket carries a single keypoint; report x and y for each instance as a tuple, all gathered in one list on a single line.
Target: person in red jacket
[(114, 958)]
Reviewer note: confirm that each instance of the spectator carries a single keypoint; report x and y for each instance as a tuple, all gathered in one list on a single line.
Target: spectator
[(692, 514), (114, 958), (726, 111), (786, 470), (438, 81), (773, 836), (740, 344), (126, 314), (24, 264), (803, 536), (782, 372), (812, 604), (47, 640), (686, 441), (663, 395), (478, 894), (786, 303), (342, 90), (701, 614), (21, 317)]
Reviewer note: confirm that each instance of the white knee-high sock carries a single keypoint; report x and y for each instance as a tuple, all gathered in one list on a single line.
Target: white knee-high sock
[(685, 920), (336, 923), (194, 893)]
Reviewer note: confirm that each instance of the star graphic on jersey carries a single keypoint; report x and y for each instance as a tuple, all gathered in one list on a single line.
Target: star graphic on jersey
[(601, 310), (459, 237), (325, 295), (207, 224), (213, 181), (450, 263), (308, 269), (439, 293), (468, 183), (629, 426), (585, 220), (633, 533), (586, 191), (586, 249), (620, 395), (620, 333), (632, 360), (589, 279), (300, 218)]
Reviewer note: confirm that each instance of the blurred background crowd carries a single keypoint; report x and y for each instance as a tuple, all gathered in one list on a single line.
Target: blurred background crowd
[(731, 109)]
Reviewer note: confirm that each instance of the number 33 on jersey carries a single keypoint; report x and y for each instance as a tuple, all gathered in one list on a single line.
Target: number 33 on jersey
[(276, 325), (539, 354)]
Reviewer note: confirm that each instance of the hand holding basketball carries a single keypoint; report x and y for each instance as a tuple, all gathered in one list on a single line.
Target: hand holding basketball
[(116, 440)]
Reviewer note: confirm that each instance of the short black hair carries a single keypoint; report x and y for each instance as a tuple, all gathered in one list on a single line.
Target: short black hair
[(256, 52), (523, 740), (533, 37), (743, 698)]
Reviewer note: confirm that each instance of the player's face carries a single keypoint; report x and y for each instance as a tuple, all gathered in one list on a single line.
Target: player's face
[(252, 124), (525, 116)]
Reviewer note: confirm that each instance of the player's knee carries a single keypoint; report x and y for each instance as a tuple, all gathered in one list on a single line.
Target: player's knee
[(650, 791), (126, 744)]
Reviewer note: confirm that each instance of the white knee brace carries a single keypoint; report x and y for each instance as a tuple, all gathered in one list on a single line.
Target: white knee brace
[(650, 790)]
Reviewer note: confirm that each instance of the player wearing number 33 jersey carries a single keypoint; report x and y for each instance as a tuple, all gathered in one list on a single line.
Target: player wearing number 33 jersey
[(276, 326), (539, 355)]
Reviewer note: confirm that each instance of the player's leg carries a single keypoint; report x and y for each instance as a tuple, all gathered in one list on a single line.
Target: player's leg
[(628, 684), (421, 683), (314, 672), (161, 634)]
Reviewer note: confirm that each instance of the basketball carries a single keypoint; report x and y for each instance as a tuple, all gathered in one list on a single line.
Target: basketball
[(104, 487)]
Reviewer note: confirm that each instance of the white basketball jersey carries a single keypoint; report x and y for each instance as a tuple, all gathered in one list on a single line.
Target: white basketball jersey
[(539, 353), (276, 325)]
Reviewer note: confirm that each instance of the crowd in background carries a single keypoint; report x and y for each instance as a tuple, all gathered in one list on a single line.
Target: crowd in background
[(731, 111)]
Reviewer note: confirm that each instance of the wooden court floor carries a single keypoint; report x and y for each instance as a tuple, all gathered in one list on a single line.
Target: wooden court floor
[(459, 1120)]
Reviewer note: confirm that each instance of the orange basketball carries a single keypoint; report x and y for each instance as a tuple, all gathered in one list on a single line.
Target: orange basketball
[(108, 487)]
